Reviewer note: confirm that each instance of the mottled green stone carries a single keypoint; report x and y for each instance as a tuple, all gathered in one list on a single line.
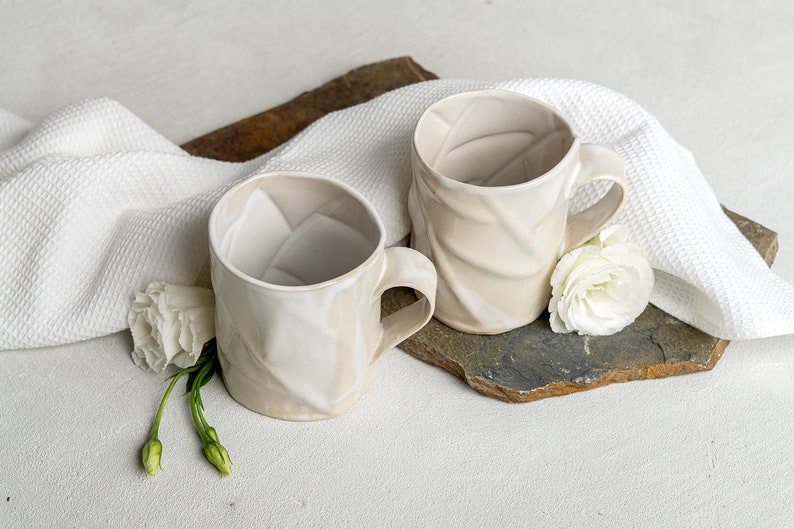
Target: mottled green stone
[(533, 362)]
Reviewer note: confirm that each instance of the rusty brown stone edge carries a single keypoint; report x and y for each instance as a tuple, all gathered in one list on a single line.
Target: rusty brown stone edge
[(628, 374), (250, 137), (613, 376), (764, 240)]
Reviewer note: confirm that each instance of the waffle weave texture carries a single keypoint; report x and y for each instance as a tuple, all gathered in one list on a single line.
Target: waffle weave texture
[(94, 205)]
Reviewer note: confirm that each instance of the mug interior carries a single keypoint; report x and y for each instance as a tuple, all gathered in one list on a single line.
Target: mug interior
[(293, 230), (491, 138)]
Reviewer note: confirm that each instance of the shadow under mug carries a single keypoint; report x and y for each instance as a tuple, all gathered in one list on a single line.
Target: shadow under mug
[(493, 172), (298, 268)]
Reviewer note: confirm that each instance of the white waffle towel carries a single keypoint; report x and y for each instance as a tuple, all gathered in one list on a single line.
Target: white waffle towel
[(94, 205)]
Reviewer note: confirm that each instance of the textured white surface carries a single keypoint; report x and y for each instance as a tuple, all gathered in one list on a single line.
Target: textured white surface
[(96, 205), (420, 449)]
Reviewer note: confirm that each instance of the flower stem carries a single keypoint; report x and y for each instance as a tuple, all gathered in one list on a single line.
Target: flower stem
[(159, 416), (195, 400), (213, 449), (200, 373), (153, 449), (175, 378)]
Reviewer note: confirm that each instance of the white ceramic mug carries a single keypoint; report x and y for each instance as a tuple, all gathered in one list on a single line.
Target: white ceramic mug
[(298, 268), (493, 172)]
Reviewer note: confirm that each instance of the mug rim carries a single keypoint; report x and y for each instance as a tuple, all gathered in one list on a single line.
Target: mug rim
[(452, 183), (228, 265)]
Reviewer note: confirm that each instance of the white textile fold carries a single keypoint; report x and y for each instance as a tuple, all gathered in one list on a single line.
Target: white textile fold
[(94, 205)]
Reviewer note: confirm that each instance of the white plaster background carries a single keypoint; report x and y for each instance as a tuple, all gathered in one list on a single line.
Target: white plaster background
[(420, 449)]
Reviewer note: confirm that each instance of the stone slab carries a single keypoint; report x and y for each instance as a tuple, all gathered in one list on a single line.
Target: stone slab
[(250, 137), (522, 365)]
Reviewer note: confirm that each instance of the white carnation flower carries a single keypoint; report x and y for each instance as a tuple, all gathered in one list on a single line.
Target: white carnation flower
[(600, 287), (170, 324)]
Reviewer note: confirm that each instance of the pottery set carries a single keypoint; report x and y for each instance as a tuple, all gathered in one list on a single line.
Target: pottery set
[(299, 264)]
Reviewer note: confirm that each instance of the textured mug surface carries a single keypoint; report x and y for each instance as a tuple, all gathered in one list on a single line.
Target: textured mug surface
[(493, 172), (298, 268)]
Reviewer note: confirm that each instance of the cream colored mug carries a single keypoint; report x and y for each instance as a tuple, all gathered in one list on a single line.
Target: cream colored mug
[(493, 172), (298, 268)]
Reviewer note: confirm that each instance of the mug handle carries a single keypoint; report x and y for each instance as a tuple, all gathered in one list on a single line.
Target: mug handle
[(596, 163), (404, 267)]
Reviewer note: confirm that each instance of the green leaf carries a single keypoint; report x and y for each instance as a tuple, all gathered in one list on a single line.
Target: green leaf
[(206, 376), (191, 380)]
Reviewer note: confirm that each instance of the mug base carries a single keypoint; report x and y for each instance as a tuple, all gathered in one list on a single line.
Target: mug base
[(469, 329), (490, 328), (264, 401)]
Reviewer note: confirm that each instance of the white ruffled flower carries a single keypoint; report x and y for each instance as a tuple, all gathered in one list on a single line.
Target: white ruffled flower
[(170, 324), (600, 287)]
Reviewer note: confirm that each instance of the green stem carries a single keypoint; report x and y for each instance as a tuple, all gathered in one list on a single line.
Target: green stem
[(156, 426), (198, 417), (199, 404), (175, 378), (204, 422)]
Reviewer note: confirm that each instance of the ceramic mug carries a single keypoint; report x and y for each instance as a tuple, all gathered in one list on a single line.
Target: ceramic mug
[(298, 268), (493, 172)]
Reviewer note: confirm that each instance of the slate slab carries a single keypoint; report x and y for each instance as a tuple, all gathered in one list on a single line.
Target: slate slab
[(522, 365)]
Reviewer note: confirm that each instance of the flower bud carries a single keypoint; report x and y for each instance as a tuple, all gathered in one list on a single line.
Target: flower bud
[(212, 434), (150, 456), (217, 455)]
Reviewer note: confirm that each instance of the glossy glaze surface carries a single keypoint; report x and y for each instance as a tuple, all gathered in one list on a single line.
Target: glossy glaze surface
[(492, 175), (298, 268)]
